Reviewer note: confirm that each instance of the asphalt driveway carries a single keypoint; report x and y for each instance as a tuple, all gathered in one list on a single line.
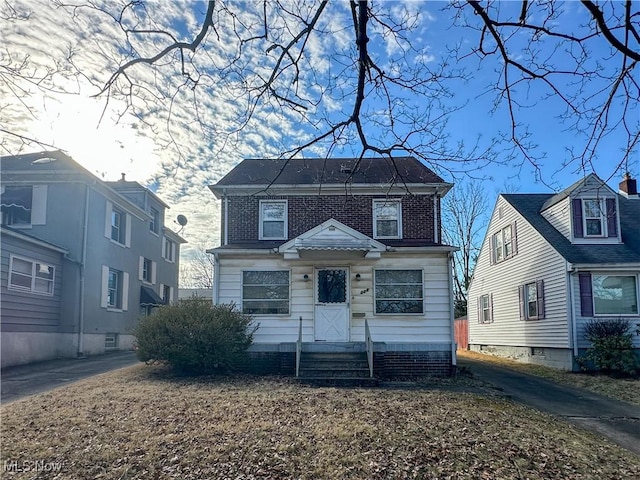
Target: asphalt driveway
[(618, 421), (24, 380)]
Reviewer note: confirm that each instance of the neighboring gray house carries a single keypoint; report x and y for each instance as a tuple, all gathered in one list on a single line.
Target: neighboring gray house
[(549, 264), (329, 255), (82, 259)]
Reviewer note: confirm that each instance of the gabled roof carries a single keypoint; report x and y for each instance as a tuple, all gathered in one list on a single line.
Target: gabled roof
[(329, 171), (577, 186), (332, 236), (530, 206)]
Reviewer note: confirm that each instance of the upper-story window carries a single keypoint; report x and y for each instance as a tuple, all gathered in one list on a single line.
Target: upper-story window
[(595, 218), (147, 270), (169, 250), (503, 244), (16, 205), (387, 219), (273, 220), (118, 225), (154, 224)]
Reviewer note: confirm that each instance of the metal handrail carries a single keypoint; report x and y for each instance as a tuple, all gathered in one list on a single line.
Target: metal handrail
[(299, 348), (369, 346)]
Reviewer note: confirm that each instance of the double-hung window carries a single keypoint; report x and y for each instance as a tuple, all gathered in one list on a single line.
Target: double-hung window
[(115, 289), (593, 217), (387, 219), (398, 291), (485, 309), (532, 300), (147, 270), (169, 250), (118, 225), (31, 276), (154, 223), (273, 220), (265, 292), (503, 244)]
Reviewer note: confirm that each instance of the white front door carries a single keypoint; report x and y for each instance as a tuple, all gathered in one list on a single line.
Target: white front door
[(332, 305)]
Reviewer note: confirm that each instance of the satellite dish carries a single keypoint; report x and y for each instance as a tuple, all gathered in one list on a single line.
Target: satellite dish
[(182, 220)]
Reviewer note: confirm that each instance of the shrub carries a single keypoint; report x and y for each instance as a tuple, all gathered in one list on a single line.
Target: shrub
[(611, 346), (195, 337)]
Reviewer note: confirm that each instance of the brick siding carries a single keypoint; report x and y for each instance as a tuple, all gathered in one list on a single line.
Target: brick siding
[(306, 212)]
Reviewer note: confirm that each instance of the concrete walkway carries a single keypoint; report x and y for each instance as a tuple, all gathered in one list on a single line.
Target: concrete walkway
[(618, 421), (24, 380)]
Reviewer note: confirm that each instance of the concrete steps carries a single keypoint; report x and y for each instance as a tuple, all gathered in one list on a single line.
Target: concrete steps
[(345, 368)]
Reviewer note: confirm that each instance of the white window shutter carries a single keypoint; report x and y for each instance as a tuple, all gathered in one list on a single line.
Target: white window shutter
[(141, 268), (170, 295), (161, 291), (39, 205), (173, 252), (127, 232), (153, 273), (105, 286), (125, 291), (107, 220)]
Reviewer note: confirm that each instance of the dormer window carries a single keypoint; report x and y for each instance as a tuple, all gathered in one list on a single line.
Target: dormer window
[(273, 220), (593, 217)]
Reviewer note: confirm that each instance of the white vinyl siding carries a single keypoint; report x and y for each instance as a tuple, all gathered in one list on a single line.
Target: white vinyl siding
[(536, 259), (433, 326)]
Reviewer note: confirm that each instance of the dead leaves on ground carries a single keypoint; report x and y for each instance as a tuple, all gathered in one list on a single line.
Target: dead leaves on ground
[(137, 424)]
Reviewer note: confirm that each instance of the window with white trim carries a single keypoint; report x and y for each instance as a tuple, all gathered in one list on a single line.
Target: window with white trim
[(167, 294), (398, 291), (169, 250), (485, 310), (265, 292), (532, 300), (111, 340), (615, 294), (387, 219), (593, 217), (503, 244), (147, 270), (154, 223), (118, 225), (273, 220), (114, 289), (31, 276)]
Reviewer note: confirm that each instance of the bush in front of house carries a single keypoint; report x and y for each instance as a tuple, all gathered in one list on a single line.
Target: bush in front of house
[(611, 346), (195, 337)]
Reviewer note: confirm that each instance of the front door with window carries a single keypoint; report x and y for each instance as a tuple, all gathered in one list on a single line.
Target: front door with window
[(332, 305)]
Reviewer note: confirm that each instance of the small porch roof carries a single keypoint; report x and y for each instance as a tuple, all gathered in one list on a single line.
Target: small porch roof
[(332, 236)]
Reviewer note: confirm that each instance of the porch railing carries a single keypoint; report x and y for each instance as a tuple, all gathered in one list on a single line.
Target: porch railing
[(369, 346), (299, 348)]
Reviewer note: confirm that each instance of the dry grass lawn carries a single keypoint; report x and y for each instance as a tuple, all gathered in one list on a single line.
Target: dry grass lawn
[(141, 423), (625, 389)]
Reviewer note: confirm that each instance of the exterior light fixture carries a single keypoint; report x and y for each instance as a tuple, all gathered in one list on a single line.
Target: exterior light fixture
[(358, 277), (306, 277)]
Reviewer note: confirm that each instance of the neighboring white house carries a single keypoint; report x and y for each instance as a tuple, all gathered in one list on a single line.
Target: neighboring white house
[(324, 247), (550, 263)]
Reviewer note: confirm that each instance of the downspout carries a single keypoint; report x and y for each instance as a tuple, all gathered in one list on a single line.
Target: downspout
[(435, 218), (454, 360), (226, 217), (572, 313), (83, 260), (216, 279)]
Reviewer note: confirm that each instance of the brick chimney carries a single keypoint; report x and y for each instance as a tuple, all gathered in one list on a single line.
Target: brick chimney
[(628, 186)]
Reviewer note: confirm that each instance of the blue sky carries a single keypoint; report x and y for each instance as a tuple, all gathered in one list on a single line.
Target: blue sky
[(160, 144)]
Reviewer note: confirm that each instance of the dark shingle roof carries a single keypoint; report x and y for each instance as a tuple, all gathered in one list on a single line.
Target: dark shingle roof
[(314, 171), (530, 205), (54, 160)]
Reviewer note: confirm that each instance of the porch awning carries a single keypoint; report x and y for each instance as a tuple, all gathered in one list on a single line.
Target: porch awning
[(17, 197), (149, 297)]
